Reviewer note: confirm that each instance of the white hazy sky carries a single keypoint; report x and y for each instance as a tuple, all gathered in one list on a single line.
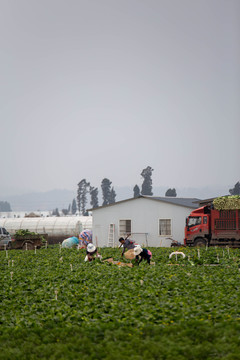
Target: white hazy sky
[(104, 88)]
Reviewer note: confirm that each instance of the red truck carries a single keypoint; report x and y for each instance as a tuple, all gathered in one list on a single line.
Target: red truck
[(208, 226)]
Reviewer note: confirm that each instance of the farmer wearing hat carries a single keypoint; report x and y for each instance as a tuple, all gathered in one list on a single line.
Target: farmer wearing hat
[(127, 244), (142, 254), (92, 253)]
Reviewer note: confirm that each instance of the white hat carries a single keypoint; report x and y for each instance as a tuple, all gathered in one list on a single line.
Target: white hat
[(91, 248), (137, 250)]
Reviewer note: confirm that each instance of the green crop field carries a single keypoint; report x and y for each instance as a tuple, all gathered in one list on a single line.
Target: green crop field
[(55, 306)]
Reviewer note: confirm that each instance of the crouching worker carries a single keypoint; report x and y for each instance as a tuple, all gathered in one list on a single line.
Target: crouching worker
[(142, 254), (92, 253), (70, 242), (127, 244)]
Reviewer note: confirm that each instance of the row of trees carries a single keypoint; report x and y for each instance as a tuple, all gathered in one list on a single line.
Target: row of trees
[(84, 188), (147, 185), (108, 192), (71, 210)]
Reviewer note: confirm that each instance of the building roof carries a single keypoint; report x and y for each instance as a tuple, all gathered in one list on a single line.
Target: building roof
[(186, 202), (209, 201)]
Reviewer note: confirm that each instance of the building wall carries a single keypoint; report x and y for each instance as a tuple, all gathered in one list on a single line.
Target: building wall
[(145, 215)]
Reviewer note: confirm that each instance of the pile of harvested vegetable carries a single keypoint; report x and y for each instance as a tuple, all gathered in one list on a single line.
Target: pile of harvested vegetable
[(227, 203)]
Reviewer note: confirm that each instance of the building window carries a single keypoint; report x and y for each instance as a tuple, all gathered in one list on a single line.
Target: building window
[(125, 227), (165, 227)]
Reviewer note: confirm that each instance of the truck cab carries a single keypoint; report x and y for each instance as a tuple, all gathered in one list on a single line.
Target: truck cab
[(5, 239), (197, 227)]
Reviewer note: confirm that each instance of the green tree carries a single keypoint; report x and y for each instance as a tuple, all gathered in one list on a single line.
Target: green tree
[(112, 197), (147, 181), (55, 212), (83, 188), (106, 191), (74, 207), (236, 189), (94, 196), (5, 206), (136, 191), (171, 192)]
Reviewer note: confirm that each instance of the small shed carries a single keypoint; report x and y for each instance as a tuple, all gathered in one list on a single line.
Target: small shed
[(152, 221)]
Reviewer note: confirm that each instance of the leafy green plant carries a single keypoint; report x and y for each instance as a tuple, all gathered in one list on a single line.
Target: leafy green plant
[(24, 232), (56, 306), (227, 202)]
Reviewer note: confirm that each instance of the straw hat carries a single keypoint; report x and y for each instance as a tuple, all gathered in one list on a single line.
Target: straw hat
[(137, 250), (91, 248)]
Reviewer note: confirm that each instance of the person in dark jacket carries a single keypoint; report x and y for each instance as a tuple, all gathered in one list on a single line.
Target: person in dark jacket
[(142, 254)]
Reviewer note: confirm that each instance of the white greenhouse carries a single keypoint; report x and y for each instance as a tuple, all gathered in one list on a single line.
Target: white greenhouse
[(57, 228)]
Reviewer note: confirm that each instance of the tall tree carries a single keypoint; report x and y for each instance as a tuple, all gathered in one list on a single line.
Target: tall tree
[(136, 191), (74, 206), (112, 197), (171, 192), (83, 187), (5, 206), (55, 212), (236, 189), (94, 197), (106, 191), (147, 181)]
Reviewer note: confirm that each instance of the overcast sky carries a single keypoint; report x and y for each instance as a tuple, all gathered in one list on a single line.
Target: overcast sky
[(104, 88)]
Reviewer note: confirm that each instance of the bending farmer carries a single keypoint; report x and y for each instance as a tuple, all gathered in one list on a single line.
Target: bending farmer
[(85, 237), (142, 254), (127, 243), (92, 253)]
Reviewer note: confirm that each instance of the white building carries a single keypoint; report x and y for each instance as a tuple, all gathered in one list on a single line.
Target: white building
[(152, 221)]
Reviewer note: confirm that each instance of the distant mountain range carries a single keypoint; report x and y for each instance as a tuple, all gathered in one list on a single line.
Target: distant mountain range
[(62, 198)]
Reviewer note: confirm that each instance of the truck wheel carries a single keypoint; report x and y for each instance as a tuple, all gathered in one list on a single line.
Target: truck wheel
[(200, 242), (30, 246)]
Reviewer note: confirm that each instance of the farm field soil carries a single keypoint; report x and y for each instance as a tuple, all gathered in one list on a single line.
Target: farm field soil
[(55, 306)]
